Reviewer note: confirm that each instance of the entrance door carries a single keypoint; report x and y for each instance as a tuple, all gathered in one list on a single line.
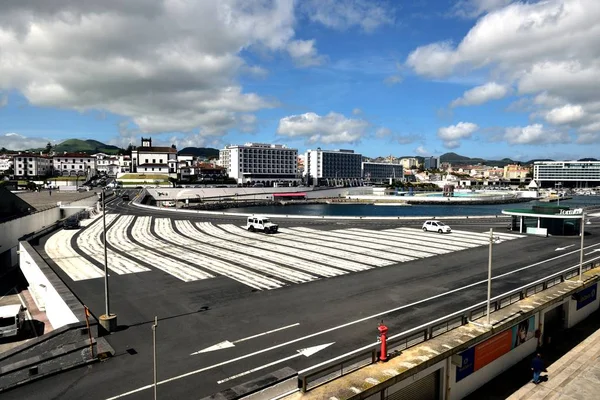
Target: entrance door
[(554, 323)]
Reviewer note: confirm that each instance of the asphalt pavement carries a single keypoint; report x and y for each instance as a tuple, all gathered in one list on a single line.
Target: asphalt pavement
[(265, 329)]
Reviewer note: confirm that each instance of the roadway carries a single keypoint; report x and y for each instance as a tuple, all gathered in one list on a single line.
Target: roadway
[(270, 326)]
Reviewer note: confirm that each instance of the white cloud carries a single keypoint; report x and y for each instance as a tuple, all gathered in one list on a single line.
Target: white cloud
[(481, 94), (474, 8), (549, 50), (304, 53), (356, 111), (565, 114), (534, 134), (165, 65), (15, 141), (344, 14), (392, 80), (421, 151), (383, 132), (451, 135), (327, 129)]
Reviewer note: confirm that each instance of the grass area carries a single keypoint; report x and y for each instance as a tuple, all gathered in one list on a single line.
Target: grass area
[(147, 177)]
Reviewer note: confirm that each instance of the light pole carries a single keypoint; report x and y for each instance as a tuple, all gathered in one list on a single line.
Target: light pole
[(581, 250), (489, 287), (108, 320), (154, 351)]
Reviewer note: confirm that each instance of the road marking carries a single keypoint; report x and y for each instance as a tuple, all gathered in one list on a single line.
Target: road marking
[(345, 325), (307, 352), (226, 344), (593, 251), (563, 248)]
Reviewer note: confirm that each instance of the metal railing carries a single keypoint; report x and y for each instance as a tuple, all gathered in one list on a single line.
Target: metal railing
[(312, 377)]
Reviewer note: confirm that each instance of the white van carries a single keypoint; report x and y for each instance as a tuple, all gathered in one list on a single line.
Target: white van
[(436, 226), (12, 318), (261, 224)]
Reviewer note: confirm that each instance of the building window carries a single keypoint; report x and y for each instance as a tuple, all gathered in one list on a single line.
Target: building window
[(152, 168), (146, 161)]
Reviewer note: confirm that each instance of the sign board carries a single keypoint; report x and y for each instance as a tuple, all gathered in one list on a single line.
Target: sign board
[(575, 211), (586, 296), (537, 231)]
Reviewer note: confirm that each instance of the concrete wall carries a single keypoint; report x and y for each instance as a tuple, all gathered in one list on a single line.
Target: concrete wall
[(45, 294), (14, 229)]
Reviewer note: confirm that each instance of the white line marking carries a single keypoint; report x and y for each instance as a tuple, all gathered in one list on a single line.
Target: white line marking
[(307, 352), (349, 324), (227, 344)]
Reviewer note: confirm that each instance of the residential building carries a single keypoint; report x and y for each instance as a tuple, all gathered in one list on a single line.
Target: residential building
[(431, 163), (333, 167), (374, 172), (515, 171), (74, 164), (107, 164), (124, 163), (6, 162), (153, 159), (409, 162), (260, 163), (28, 165), (564, 174)]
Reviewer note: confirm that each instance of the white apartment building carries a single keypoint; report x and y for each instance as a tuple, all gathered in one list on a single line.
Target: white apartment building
[(332, 167), (74, 164), (31, 166), (564, 174), (107, 164), (153, 159), (6, 161), (374, 172), (260, 163), (124, 163)]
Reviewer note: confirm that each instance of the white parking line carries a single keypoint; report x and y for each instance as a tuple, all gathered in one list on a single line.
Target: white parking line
[(58, 247), (342, 245), (116, 234), (408, 237), (244, 245), (309, 255), (262, 280), (453, 239), (141, 233)]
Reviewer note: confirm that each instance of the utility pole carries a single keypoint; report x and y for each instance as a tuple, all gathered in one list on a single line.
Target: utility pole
[(108, 321), (581, 249), (154, 326)]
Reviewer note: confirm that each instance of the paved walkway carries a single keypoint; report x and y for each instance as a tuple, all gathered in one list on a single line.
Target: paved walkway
[(576, 375)]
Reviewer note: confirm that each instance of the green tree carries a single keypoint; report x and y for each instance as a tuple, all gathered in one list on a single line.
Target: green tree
[(173, 181), (48, 148)]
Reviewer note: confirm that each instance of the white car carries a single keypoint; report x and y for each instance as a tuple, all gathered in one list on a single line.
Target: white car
[(436, 226)]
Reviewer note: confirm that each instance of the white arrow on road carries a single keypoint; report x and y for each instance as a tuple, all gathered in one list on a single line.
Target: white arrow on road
[(563, 248), (593, 251), (307, 352), (227, 344)]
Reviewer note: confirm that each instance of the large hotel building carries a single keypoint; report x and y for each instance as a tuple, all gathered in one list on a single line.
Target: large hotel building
[(567, 174), (260, 163), (327, 167)]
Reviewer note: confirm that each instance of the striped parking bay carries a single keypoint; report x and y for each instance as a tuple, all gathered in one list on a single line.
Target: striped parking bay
[(58, 247)]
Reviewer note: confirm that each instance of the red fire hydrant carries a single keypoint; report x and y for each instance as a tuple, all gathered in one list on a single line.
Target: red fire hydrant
[(383, 339)]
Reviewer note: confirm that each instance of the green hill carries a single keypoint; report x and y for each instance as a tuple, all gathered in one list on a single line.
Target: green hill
[(83, 146)]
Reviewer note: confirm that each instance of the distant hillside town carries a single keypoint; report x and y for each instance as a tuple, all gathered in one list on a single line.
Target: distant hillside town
[(265, 165)]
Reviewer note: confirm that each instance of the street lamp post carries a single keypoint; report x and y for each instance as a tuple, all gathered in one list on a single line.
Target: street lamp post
[(154, 326), (489, 286), (581, 249), (108, 320)]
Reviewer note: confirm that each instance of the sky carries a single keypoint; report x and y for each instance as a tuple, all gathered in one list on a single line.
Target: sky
[(482, 78)]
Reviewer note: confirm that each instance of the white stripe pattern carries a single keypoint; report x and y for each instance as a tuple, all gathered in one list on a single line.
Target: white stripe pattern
[(58, 247), (195, 251)]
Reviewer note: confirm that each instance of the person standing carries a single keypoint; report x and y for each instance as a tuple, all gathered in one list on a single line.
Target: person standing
[(537, 366)]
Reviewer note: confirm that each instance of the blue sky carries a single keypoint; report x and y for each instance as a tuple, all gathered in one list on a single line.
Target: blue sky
[(482, 78)]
